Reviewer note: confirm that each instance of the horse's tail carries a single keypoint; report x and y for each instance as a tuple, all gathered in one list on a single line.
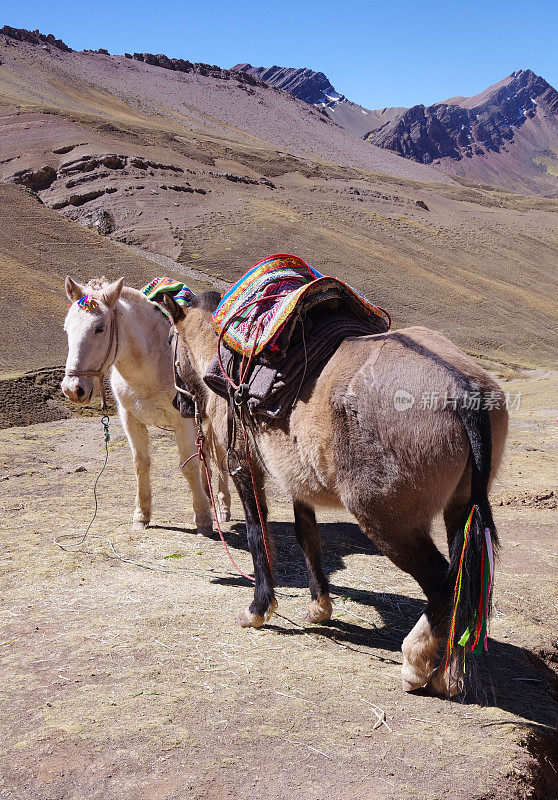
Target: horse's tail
[(470, 575)]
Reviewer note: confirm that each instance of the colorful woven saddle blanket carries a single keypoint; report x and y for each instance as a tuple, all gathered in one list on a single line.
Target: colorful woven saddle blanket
[(262, 309), (162, 285), (292, 319)]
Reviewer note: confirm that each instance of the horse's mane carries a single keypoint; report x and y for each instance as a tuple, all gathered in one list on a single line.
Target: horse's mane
[(207, 301), (96, 284)]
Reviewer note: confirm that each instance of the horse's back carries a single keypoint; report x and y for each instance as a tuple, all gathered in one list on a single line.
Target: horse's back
[(385, 406)]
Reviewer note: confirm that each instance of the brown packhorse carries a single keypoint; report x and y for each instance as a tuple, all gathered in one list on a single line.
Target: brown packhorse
[(392, 429)]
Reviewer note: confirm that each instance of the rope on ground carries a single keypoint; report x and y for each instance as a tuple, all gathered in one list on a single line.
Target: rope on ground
[(81, 537), (74, 540), (105, 421)]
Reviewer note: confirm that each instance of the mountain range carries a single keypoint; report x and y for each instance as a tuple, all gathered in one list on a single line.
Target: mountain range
[(505, 136), (216, 169)]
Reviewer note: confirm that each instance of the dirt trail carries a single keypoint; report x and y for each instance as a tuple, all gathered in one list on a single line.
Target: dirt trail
[(119, 681)]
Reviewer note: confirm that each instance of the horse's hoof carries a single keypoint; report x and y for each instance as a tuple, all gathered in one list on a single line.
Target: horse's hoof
[(138, 525), (249, 620), (409, 686), (444, 683), (319, 610), (411, 680), (223, 515), (205, 530)]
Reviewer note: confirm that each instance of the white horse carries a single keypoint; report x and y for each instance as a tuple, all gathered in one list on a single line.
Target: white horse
[(120, 330)]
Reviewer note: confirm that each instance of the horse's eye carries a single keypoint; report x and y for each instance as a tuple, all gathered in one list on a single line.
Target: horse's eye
[(99, 328)]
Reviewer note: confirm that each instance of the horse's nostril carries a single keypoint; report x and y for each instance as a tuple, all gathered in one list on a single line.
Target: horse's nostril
[(80, 391)]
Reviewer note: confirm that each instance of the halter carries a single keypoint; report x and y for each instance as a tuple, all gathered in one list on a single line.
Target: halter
[(100, 373), (190, 395)]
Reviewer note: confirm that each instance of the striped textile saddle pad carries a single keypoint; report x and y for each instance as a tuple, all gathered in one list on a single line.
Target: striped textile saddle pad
[(263, 308), (158, 287)]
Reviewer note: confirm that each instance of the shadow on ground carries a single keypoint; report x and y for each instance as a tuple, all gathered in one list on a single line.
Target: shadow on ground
[(511, 678)]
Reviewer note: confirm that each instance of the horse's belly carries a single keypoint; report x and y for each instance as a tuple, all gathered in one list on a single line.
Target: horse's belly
[(300, 472)]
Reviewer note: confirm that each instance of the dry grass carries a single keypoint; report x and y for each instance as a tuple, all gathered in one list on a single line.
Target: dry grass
[(120, 680)]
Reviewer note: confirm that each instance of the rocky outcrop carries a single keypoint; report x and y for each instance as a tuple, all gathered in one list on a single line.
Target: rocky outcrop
[(34, 37), (312, 87), (67, 148), (89, 163), (101, 221), (181, 188), (144, 163), (86, 197), (229, 176), (182, 65), (64, 186), (86, 169), (469, 126), (87, 178), (35, 179)]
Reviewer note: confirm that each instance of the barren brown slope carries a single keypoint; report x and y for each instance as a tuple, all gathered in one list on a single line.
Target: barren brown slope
[(109, 86), (486, 276), (477, 263)]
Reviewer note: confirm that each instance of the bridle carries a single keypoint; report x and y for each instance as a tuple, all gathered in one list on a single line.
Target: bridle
[(190, 395), (100, 373)]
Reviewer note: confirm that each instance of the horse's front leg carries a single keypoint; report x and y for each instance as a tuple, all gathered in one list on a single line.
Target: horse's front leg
[(223, 494), (185, 434), (264, 603), (138, 439), (308, 536)]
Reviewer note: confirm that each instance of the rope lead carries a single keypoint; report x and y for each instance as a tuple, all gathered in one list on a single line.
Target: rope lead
[(67, 537)]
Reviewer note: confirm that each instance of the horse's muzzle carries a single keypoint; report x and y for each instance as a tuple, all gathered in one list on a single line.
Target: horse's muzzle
[(77, 389)]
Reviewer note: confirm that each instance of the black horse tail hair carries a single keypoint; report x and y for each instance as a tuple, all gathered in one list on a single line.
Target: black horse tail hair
[(470, 576)]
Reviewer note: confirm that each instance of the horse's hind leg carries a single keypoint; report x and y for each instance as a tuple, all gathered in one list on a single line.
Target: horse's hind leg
[(308, 536), (446, 681), (413, 551)]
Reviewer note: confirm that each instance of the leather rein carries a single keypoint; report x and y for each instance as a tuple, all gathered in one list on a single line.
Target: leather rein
[(100, 373)]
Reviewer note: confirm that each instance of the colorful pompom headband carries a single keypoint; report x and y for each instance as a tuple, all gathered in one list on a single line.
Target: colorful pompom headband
[(88, 303)]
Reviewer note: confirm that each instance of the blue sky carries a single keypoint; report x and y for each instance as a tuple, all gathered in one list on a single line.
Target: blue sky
[(376, 53)]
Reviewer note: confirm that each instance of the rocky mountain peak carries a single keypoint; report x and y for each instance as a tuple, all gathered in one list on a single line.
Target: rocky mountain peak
[(463, 127), (313, 87)]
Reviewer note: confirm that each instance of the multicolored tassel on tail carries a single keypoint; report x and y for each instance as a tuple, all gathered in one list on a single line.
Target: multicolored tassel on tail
[(477, 627)]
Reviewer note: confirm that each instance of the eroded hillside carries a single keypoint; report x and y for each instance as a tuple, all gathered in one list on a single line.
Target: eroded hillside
[(197, 168)]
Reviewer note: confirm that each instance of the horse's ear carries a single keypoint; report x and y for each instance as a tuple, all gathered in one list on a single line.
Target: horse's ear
[(73, 290), (176, 312), (111, 293)]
